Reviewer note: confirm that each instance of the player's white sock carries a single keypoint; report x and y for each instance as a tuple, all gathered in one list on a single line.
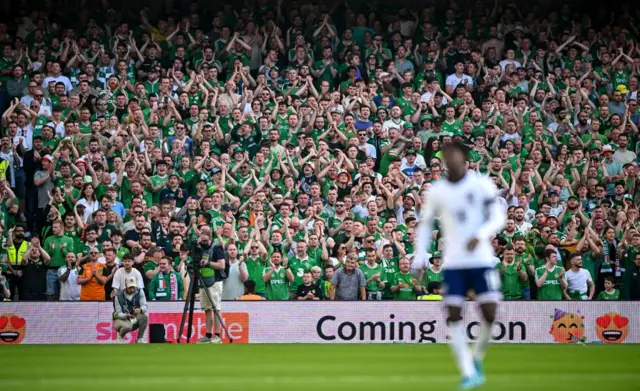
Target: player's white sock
[(483, 341), (461, 350)]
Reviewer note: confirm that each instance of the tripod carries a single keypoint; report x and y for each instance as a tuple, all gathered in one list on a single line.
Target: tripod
[(189, 304)]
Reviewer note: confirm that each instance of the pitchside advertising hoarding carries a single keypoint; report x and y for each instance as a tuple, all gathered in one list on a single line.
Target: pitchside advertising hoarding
[(331, 322)]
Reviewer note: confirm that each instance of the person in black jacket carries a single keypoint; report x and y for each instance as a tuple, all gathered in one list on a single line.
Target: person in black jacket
[(631, 281), (31, 164)]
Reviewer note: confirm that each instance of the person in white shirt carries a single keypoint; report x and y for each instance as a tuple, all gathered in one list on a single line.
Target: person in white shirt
[(579, 282), (123, 273), (511, 55), (68, 276), (365, 147), (234, 284), (459, 77), (58, 77)]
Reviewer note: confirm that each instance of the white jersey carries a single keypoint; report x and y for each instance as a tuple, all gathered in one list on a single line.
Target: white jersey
[(578, 281), (467, 209)]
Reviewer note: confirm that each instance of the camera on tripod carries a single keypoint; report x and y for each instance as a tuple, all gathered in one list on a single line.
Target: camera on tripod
[(193, 263)]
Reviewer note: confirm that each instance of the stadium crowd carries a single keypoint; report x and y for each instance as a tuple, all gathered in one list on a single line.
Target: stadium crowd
[(303, 137)]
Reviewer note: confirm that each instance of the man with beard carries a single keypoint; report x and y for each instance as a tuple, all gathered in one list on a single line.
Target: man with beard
[(574, 207), (579, 282), (31, 164), (522, 226), (520, 246), (512, 275)]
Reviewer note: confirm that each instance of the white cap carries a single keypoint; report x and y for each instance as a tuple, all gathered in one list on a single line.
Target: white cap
[(131, 282)]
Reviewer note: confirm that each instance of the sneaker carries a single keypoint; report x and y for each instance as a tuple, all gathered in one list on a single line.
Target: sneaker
[(204, 339), (141, 340), (119, 339), (469, 383), (479, 370), (215, 339)]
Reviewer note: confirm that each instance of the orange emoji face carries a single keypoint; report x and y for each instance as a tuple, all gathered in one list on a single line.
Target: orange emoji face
[(612, 328), (567, 327), (12, 329)]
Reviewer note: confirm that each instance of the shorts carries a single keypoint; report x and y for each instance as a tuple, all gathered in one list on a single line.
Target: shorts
[(215, 291), (484, 281), (53, 284)]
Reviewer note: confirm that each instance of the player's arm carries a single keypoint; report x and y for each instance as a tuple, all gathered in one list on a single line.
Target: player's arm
[(425, 229), (495, 213)]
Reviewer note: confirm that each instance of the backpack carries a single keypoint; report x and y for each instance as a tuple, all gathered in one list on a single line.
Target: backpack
[(221, 275)]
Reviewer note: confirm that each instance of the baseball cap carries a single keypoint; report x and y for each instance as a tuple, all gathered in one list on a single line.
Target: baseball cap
[(215, 170), (411, 152), (227, 207), (131, 282), (606, 148), (552, 192), (175, 174), (437, 254), (622, 89), (47, 157)]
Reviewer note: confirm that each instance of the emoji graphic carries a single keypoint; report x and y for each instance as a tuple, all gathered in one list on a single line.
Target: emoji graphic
[(612, 328), (12, 329), (567, 327)]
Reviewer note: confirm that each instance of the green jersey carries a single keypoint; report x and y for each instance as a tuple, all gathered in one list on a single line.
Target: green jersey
[(277, 288), (512, 284), (157, 180), (390, 267), (298, 267), (431, 276), (58, 247), (408, 289), (615, 295), (454, 127), (369, 272), (551, 289), (255, 267)]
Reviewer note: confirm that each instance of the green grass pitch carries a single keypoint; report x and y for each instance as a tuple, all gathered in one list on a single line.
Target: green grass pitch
[(312, 367)]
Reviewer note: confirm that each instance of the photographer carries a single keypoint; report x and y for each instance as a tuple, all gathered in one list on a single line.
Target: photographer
[(214, 270), (130, 311)]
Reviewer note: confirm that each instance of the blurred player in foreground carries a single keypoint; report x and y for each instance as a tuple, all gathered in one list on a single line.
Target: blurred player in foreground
[(470, 214)]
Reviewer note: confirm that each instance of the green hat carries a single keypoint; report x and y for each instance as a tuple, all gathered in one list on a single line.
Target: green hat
[(573, 197), (518, 235), (216, 150), (425, 116), (594, 147), (411, 152), (428, 59), (237, 150), (175, 174), (437, 254), (408, 125)]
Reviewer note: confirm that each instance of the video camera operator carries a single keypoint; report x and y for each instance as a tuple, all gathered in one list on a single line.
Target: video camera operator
[(214, 269)]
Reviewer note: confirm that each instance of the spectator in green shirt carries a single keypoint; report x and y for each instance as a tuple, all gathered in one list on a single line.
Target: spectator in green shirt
[(512, 275), (57, 246)]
